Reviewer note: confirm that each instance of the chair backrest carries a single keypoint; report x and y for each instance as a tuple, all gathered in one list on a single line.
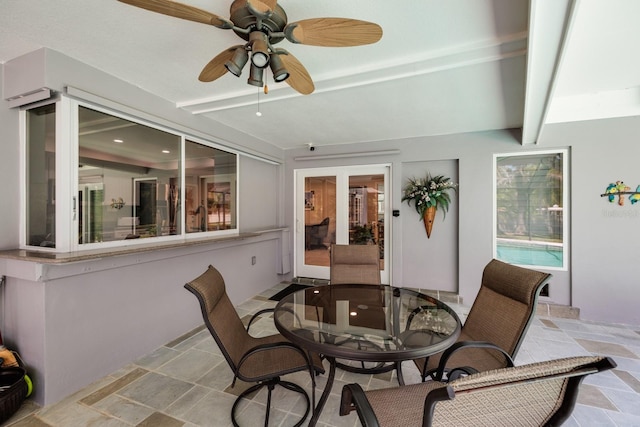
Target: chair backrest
[(355, 264), (220, 315), (538, 394), (505, 305), (322, 229)]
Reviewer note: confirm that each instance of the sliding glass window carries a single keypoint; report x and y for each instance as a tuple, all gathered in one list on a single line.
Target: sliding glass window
[(129, 183), (41, 176), (531, 209), (128, 179), (210, 188)]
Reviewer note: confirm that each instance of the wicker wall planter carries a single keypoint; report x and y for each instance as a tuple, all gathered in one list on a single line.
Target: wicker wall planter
[(428, 217), (429, 194)]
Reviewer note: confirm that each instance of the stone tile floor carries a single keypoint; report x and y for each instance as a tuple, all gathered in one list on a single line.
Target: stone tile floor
[(187, 382)]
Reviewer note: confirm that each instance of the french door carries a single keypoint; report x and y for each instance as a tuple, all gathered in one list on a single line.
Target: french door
[(343, 205)]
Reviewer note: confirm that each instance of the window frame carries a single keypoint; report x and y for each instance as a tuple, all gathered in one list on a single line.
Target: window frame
[(565, 204), (67, 178)]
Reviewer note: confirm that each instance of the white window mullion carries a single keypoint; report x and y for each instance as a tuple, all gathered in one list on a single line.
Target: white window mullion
[(66, 174), (183, 186)]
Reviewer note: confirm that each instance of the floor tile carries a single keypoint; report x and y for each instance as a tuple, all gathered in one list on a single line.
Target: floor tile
[(156, 390), (187, 381), (158, 419)]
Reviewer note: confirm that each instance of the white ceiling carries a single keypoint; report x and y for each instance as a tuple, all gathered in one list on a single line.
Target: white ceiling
[(441, 67)]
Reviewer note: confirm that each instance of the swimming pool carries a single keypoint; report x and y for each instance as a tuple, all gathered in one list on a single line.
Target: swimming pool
[(530, 253)]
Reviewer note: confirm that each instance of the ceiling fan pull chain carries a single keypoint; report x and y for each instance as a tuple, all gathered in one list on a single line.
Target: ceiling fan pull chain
[(259, 113)]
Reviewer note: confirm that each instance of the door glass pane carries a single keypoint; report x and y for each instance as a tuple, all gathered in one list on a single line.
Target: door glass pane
[(41, 176), (128, 179), (530, 209), (319, 218), (366, 211), (210, 196)]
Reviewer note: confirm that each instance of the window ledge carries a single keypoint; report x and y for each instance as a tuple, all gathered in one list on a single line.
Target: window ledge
[(45, 257)]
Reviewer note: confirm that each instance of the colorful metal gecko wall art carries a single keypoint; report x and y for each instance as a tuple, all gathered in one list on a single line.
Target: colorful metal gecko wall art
[(620, 189)]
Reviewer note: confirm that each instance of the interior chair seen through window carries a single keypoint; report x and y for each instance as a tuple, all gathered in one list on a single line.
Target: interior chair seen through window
[(354, 264), (496, 324), (260, 360), (316, 234), (539, 394)]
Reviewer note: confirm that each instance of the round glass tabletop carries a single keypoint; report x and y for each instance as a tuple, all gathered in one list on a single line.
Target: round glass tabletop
[(367, 322)]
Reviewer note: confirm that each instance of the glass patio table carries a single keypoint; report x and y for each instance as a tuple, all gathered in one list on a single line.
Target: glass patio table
[(365, 323)]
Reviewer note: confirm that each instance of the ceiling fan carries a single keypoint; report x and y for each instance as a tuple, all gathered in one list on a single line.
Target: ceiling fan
[(263, 24)]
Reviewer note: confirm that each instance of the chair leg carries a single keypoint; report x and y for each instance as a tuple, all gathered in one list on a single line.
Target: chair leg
[(270, 384)]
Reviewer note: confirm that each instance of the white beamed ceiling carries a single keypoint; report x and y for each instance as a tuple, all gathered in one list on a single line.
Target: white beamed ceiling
[(442, 67)]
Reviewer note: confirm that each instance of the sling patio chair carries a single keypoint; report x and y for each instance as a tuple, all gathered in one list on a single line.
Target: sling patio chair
[(358, 264), (495, 327), (539, 394), (354, 264), (255, 360)]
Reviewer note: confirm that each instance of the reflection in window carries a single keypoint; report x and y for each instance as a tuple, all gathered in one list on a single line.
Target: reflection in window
[(530, 213), (210, 195), (128, 179), (41, 176)]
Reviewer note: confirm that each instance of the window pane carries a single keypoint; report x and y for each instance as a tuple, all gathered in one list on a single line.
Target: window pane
[(366, 211), (41, 176), (529, 202), (319, 218), (128, 179), (210, 193)]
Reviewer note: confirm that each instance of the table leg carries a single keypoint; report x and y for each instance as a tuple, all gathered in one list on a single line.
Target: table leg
[(325, 394), (399, 372)]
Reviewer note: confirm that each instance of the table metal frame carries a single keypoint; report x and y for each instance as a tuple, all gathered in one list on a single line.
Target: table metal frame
[(332, 351)]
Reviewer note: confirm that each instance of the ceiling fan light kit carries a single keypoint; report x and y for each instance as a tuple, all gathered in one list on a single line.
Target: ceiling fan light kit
[(238, 61), (264, 23), (255, 76), (259, 49), (280, 72)]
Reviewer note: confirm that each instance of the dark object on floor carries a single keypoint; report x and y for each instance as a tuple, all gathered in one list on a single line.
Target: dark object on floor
[(13, 390), (260, 360), (286, 291)]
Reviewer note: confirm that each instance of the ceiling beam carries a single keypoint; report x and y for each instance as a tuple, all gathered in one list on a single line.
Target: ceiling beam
[(549, 25)]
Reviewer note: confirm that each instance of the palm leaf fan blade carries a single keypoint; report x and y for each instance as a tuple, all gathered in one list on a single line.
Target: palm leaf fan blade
[(299, 78), (270, 3), (215, 68), (333, 32), (183, 11), (261, 8)]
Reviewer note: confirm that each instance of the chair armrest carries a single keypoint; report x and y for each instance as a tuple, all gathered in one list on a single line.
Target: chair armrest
[(437, 395), (259, 313), (461, 345), (353, 397), (278, 345)]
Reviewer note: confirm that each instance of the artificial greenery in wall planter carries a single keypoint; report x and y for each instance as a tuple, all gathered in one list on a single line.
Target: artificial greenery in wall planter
[(428, 194)]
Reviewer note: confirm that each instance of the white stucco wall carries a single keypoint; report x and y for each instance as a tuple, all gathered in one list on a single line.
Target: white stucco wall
[(601, 236), (143, 297)]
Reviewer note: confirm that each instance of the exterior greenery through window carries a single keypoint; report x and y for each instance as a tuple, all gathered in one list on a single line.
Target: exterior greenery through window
[(530, 209)]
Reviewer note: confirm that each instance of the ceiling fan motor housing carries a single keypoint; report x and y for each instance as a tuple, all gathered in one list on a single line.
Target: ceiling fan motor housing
[(242, 17)]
